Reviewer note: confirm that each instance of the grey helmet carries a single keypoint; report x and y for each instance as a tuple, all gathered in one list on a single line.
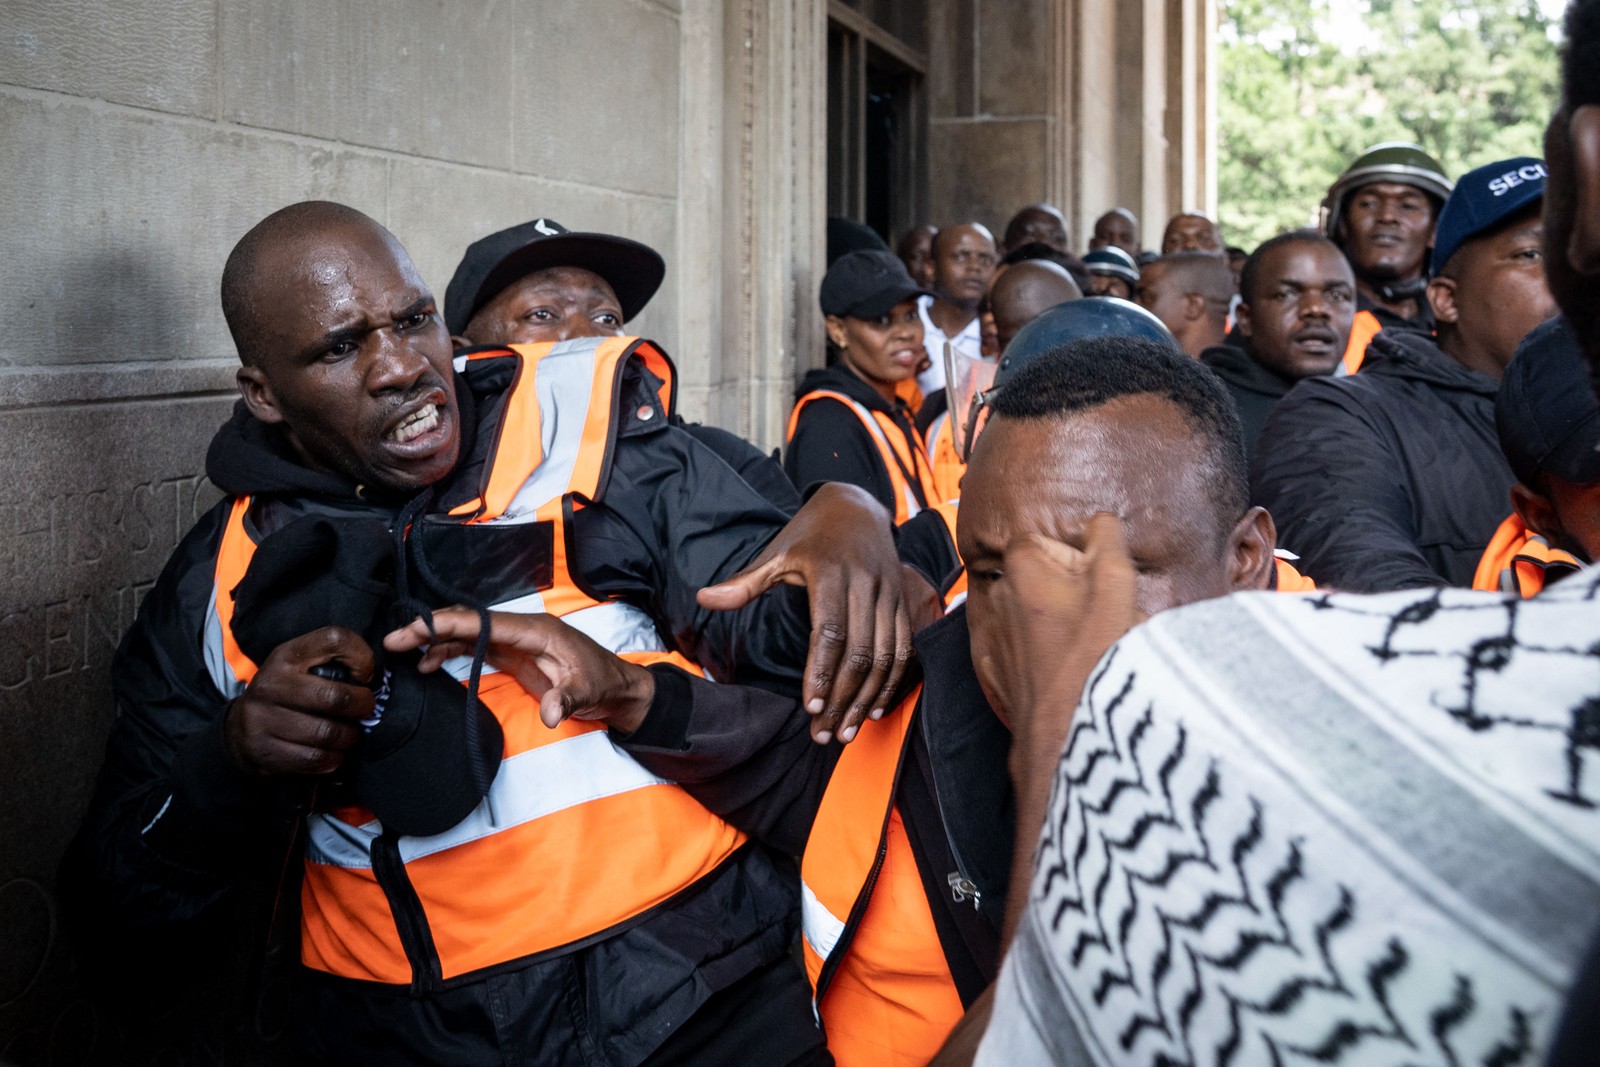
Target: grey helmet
[(1393, 161)]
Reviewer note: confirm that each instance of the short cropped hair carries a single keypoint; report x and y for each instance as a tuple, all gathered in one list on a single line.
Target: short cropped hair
[(1252, 265), (241, 274), (1085, 374)]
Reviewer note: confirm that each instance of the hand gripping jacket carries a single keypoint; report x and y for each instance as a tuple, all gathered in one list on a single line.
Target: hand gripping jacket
[(1520, 561), (882, 986), (574, 839), (905, 460)]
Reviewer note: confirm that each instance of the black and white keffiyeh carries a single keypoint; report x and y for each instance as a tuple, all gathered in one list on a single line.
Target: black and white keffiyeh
[(1325, 829)]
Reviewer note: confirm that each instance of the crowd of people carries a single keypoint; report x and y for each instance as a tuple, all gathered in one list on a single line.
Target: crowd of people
[(1098, 678)]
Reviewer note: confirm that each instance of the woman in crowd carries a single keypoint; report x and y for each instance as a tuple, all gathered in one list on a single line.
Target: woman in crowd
[(850, 421)]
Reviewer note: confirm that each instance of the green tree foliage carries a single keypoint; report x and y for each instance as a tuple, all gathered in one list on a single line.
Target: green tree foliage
[(1471, 81)]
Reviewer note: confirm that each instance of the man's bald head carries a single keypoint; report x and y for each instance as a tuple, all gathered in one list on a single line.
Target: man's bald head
[(1117, 228), (277, 244), (1193, 231), (1043, 223), (964, 258), (1025, 291)]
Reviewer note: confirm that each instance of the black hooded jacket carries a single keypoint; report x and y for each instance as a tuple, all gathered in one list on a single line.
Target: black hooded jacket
[(831, 445), (1388, 479), (1255, 389), (177, 831)]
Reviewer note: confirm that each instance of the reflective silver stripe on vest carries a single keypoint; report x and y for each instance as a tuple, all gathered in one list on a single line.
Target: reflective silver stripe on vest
[(931, 441), (563, 381), (821, 927), (615, 626), (530, 785), (912, 507), (217, 665)]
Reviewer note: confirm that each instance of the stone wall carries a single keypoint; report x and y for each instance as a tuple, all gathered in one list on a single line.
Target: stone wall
[(1087, 104), (143, 137)]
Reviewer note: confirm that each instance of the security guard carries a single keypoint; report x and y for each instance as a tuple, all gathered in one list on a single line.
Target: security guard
[(1381, 212), (850, 422)]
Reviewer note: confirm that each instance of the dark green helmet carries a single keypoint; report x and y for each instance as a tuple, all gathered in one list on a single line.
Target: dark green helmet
[(1392, 161)]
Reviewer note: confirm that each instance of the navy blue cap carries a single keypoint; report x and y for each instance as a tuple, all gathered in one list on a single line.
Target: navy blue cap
[(1484, 198), (1546, 412), (866, 284)]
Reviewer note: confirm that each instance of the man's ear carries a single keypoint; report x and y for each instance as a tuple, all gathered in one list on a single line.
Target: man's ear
[(1194, 307), (258, 395), (458, 341), (1583, 132), (1241, 320), (1536, 512), (1442, 299), (1250, 560)]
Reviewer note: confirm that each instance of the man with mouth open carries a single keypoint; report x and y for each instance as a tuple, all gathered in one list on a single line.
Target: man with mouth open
[(1394, 478), (476, 887), (1297, 301)]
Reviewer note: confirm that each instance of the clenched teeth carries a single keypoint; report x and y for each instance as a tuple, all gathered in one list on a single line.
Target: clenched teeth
[(416, 424)]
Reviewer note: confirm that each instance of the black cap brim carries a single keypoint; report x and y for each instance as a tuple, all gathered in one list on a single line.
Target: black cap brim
[(880, 304), (633, 270)]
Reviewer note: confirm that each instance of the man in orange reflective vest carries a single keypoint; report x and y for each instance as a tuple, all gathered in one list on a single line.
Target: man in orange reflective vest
[(1381, 212), (1549, 426), (475, 887), (905, 833)]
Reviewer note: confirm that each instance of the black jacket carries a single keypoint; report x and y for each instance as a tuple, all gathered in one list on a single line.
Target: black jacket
[(1388, 479), (1255, 389), (674, 518), (831, 445), (748, 757)]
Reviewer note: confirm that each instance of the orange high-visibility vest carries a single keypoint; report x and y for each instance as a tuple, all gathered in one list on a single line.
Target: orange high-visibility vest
[(1291, 580), (574, 838), (904, 460), (1517, 560), (1365, 327), (942, 457), (883, 988), (909, 391)]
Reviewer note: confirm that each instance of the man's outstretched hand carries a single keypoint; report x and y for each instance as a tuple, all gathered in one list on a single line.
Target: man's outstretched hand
[(292, 721), (569, 673), (840, 546)]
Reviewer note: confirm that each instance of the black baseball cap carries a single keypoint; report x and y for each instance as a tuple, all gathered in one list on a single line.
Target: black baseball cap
[(633, 270), (1546, 410), (867, 284)]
